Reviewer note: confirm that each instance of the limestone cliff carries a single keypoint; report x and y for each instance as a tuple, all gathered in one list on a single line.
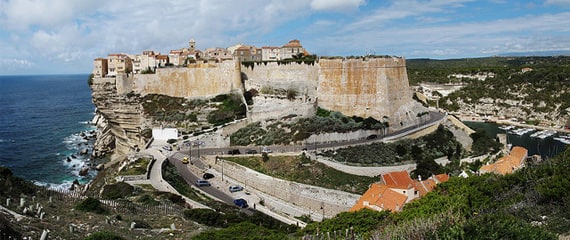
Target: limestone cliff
[(122, 118)]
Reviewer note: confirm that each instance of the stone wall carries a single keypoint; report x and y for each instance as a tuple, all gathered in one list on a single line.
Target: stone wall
[(375, 87), (200, 80), (305, 196)]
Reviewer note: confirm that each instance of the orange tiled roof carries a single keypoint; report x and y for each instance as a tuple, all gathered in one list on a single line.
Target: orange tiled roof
[(380, 197), (399, 180), (424, 187), (293, 43), (441, 178), (507, 164)]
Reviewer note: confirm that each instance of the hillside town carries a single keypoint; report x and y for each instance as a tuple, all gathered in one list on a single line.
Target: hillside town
[(148, 61)]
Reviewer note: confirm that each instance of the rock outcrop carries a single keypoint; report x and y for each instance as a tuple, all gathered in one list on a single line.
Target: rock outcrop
[(121, 118)]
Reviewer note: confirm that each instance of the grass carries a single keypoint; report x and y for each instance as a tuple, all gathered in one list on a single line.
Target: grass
[(304, 170), (137, 168)]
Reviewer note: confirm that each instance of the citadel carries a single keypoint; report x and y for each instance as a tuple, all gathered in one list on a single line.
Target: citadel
[(369, 86)]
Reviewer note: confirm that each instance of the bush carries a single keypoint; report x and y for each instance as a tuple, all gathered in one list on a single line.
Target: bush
[(117, 190), (91, 205), (104, 235)]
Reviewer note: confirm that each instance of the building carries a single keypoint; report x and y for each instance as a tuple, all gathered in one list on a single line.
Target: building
[(119, 63), (269, 53), (100, 67), (507, 164), (291, 49), (218, 54), (395, 189), (248, 54)]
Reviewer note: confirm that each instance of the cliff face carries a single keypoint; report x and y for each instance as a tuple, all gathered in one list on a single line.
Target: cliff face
[(122, 116)]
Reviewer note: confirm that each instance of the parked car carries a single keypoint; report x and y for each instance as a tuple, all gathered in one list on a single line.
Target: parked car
[(207, 175), (372, 137), (167, 148), (185, 160), (202, 183), (236, 188), (240, 202), (234, 152), (266, 150), (251, 151)]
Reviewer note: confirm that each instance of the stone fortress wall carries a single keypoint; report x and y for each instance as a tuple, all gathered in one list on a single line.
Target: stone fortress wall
[(375, 87)]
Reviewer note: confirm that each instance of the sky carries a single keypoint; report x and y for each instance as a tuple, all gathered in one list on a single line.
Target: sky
[(64, 36)]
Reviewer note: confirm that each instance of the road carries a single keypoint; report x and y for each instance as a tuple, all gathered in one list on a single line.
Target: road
[(222, 195), (435, 117)]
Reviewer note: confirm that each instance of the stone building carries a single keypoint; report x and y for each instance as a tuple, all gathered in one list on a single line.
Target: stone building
[(100, 67)]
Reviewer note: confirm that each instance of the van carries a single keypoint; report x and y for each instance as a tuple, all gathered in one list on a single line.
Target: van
[(202, 183)]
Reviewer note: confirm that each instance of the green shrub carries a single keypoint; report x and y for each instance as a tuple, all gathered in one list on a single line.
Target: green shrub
[(91, 205), (104, 235), (117, 190)]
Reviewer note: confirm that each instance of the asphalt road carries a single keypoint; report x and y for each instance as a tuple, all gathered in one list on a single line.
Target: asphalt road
[(191, 178), (196, 151)]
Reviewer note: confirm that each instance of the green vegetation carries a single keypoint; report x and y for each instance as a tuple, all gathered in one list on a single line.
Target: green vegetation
[(286, 131), (531, 203), (117, 190), (546, 88), (483, 144), (304, 170), (170, 109), (229, 108), (104, 235), (90, 80), (91, 205), (243, 230), (360, 223), (170, 174), (138, 167), (427, 148)]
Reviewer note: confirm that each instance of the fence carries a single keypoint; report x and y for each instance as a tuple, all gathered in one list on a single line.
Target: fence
[(118, 206)]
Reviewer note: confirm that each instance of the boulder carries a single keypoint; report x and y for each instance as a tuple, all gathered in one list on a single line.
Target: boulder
[(84, 151), (100, 167), (84, 171)]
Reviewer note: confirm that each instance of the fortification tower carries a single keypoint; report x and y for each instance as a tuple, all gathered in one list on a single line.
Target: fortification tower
[(191, 44)]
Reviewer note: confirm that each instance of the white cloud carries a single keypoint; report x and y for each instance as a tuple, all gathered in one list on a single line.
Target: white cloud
[(563, 3), (336, 5), (21, 14)]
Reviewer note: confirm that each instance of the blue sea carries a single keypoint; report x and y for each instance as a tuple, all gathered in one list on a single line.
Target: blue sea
[(43, 121)]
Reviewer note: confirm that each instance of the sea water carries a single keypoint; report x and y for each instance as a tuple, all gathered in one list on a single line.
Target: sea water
[(43, 121), (546, 148)]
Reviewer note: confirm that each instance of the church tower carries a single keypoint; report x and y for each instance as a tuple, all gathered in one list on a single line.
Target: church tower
[(192, 44)]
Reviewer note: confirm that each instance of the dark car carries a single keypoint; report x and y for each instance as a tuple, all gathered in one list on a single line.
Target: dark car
[(240, 202), (372, 137), (234, 152), (251, 151), (207, 176)]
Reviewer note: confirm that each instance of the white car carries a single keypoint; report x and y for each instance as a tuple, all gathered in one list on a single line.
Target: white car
[(235, 188), (266, 150)]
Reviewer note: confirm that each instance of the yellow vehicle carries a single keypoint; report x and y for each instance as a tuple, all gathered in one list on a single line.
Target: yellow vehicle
[(185, 160)]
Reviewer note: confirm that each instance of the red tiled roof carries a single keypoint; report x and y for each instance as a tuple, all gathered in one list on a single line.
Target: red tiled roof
[(399, 180), (507, 164), (441, 178), (293, 43), (380, 197)]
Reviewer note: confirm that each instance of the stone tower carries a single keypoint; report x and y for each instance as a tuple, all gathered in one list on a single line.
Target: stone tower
[(192, 44)]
